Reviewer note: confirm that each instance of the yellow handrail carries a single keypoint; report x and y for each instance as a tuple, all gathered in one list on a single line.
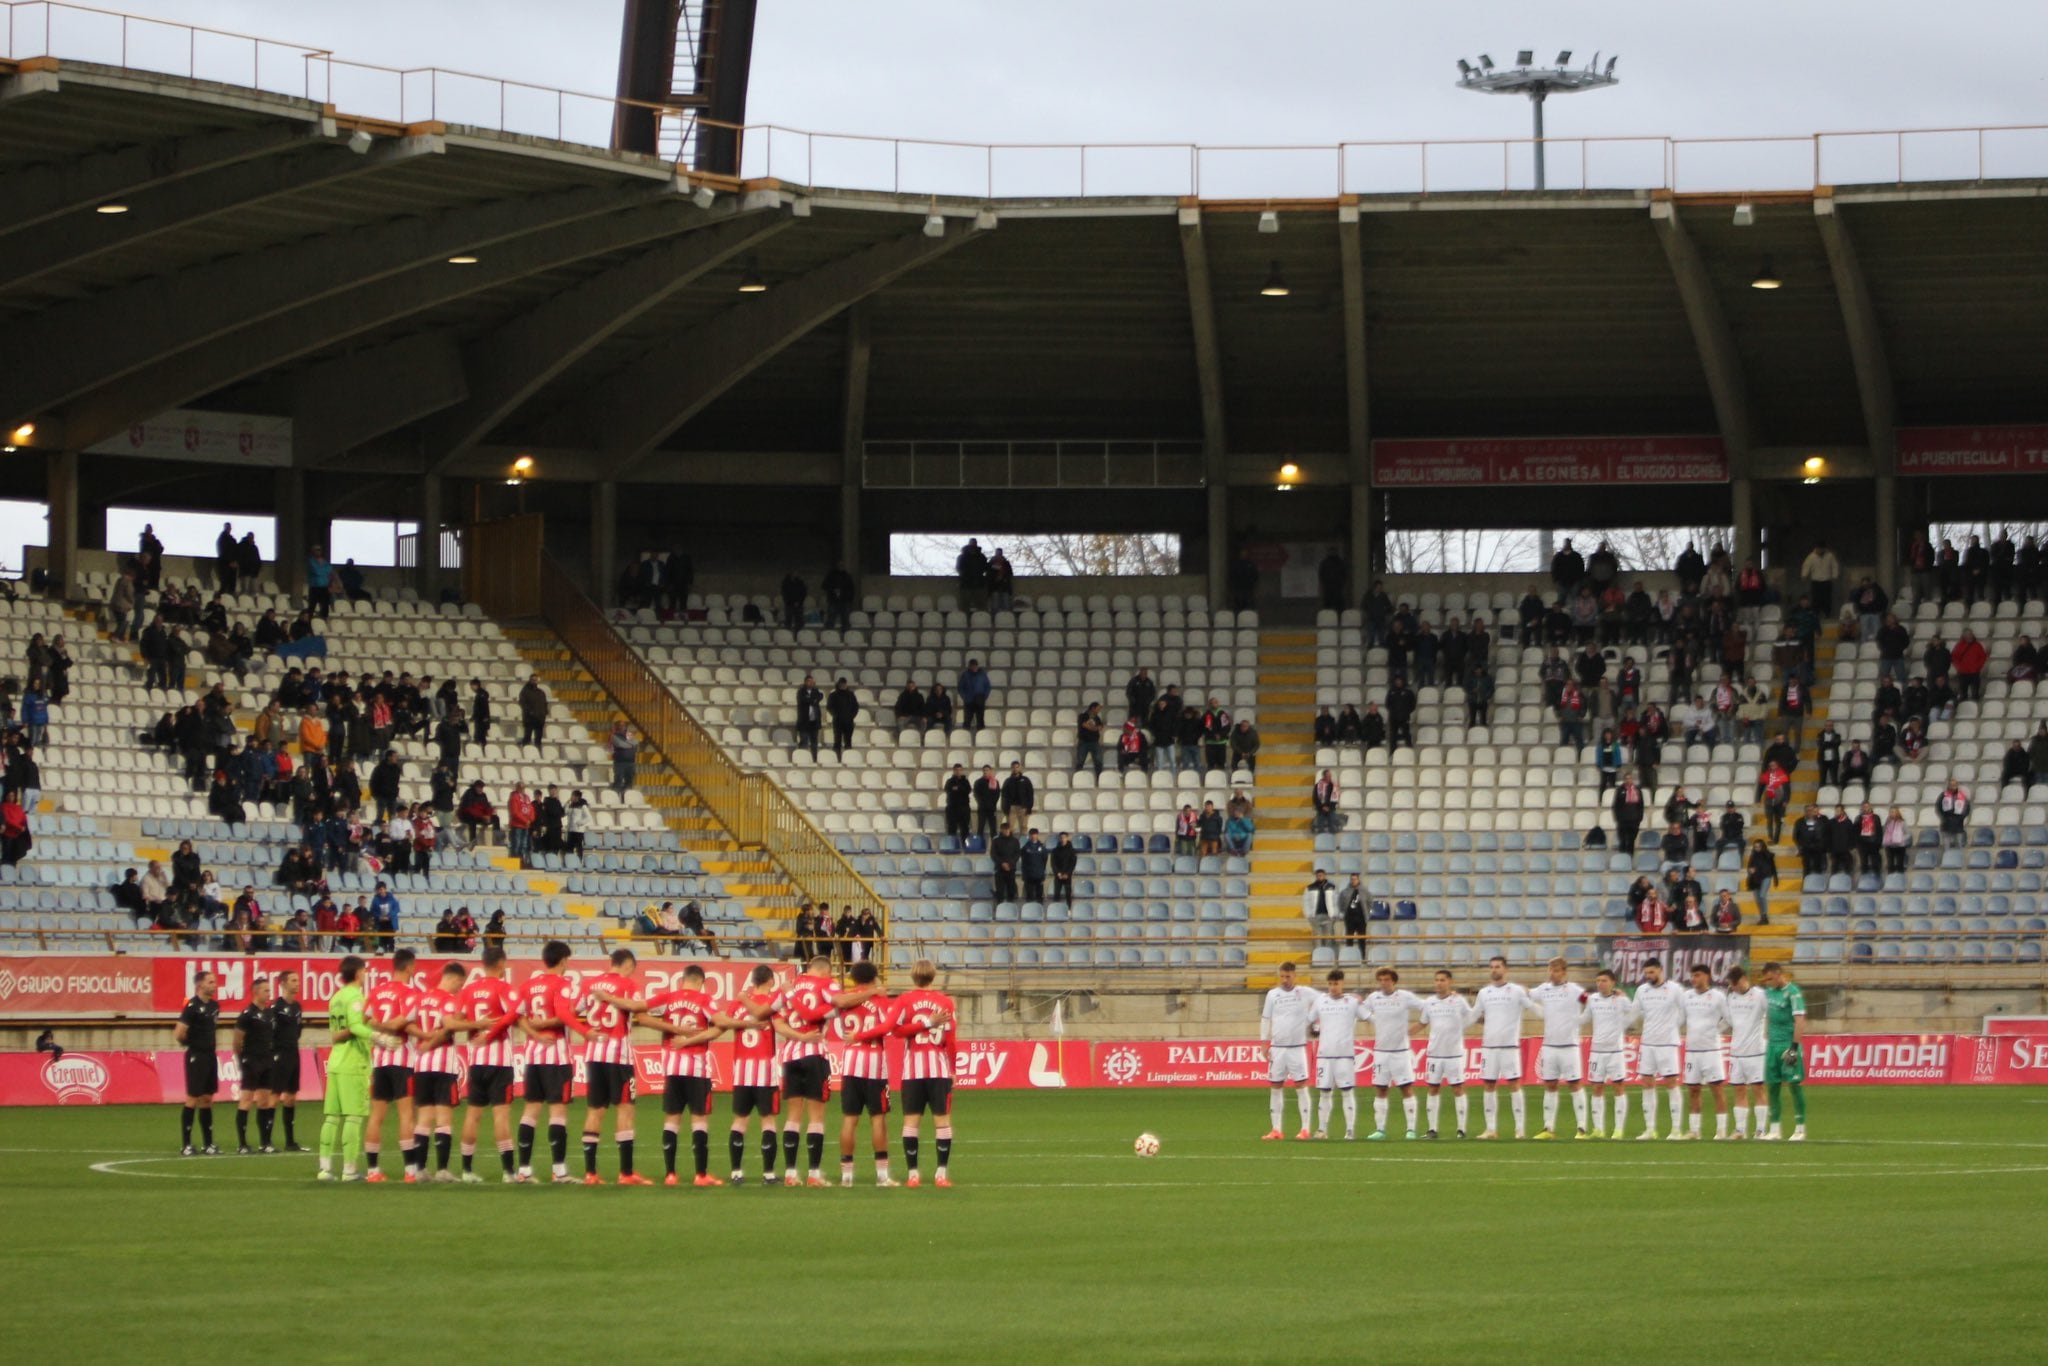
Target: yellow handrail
[(756, 812)]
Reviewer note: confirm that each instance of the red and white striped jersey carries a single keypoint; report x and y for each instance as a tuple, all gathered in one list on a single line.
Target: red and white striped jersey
[(865, 1031), (611, 1028), (806, 1003), (489, 998), (434, 1006), (685, 1009), (548, 1001), (928, 1054), (391, 1003), (753, 1048)]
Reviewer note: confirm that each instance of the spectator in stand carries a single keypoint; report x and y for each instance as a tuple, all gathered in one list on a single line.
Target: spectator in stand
[(2037, 750), (1002, 584), (805, 945), (1188, 749), (1732, 831), (1856, 767), (1319, 905), (810, 715), (1724, 917), (1325, 733), (1893, 640), (1139, 694), (15, 837), (1968, 659), (519, 818), (842, 706), (794, 591), (938, 708), (1372, 727), (533, 712), (1762, 877), (1003, 852), (1898, 838), (1244, 747), (1690, 919), (1324, 797), (1237, 835), (1567, 567), (348, 929), (476, 812), (156, 892), (1020, 797), (1130, 748), (1794, 702), (1674, 850), (1162, 724), (1628, 812), (1187, 832), (127, 895), (1936, 660), (1976, 571), (2018, 768), (1331, 576), (691, 922), (1953, 808), (1088, 728), (1571, 715), (1810, 838), (1775, 790), (1401, 704), (973, 689), (1841, 842), (972, 567), (1820, 569), (1607, 758), (959, 797), (384, 911), (1065, 859), (319, 583), (1033, 857), (909, 709), (1209, 825), (1353, 907), (1479, 688), (839, 591), (124, 613), (1215, 737), (988, 797), (1869, 827), (1653, 916), (1243, 579), (2025, 665)]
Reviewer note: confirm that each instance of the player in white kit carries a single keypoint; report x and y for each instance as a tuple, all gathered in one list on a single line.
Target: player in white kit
[(1610, 1012), (1283, 1024), (1500, 1007), (1560, 1001), (1393, 1063), (1336, 1029), (1706, 1010), (1446, 1015), (1661, 1005), (1747, 1010)]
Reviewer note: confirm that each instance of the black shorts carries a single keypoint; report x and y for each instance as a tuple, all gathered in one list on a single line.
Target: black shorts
[(686, 1095), (863, 1096), (934, 1094), (390, 1083), (284, 1073), (548, 1082), (256, 1074), (806, 1078), (765, 1101), (606, 1084), (490, 1086), (433, 1088), (202, 1074)]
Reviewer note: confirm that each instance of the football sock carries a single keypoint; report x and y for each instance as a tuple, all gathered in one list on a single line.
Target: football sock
[(1436, 1107), (1677, 1109), (416, 1156), (700, 1149), (1693, 1123), (266, 1123), (881, 1164), (351, 1142), (1350, 1112), (1720, 1124), (1772, 1093), (526, 1147), (625, 1142), (1491, 1106), (558, 1146), (1549, 1110), (792, 1143), (814, 1149), (330, 1135), (206, 1117), (736, 1149), (469, 1157), (1621, 1112), (1379, 1114), (1301, 1098), (1408, 1111), (506, 1158), (1798, 1109), (1579, 1109), (668, 1150), (589, 1155), (291, 1120), (1328, 1112), (184, 1126), (1278, 1104), (768, 1153), (945, 1150), (1741, 1121), (373, 1152), (1599, 1115), (1459, 1108), (910, 1143), (444, 1142), (242, 1127), (1519, 1103)]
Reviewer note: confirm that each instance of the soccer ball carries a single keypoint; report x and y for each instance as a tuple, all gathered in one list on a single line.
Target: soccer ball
[(1146, 1146)]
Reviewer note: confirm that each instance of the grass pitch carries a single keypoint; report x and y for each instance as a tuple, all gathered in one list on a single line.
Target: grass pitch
[(1913, 1218)]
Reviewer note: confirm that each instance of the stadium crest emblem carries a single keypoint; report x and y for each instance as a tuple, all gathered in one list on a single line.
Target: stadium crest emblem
[(1121, 1065), (6, 982), (76, 1080)]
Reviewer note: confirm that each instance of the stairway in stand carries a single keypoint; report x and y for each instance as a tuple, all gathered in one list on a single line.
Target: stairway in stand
[(749, 875), (1283, 854), (1773, 943)]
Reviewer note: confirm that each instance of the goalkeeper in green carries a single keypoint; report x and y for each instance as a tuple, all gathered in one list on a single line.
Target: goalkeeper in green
[(348, 1075), (1784, 1052)]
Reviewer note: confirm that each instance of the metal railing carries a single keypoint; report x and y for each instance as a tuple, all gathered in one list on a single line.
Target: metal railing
[(928, 166), (756, 812)]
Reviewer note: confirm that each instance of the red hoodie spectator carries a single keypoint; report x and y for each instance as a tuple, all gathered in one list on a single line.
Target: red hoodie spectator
[(1968, 660)]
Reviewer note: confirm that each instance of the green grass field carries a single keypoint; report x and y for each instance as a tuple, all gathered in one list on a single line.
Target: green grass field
[(1914, 1219)]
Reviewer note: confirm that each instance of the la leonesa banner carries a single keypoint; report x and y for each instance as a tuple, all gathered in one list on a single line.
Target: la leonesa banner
[(1485, 462)]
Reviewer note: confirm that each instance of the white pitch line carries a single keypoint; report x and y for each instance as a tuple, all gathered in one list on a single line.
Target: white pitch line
[(115, 1169)]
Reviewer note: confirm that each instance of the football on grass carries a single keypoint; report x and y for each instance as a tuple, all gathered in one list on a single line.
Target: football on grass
[(1146, 1146)]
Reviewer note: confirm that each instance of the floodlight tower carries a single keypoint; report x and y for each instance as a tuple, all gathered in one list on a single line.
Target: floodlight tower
[(1526, 78)]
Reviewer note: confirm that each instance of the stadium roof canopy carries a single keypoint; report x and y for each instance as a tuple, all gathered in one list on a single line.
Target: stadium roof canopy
[(434, 296)]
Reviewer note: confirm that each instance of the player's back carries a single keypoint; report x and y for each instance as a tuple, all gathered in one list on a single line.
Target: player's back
[(546, 1001), (805, 1004), (433, 1008), (389, 1002), (609, 1025), (928, 1038), (489, 998), (686, 1009), (352, 1055), (866, 1057), (753, 1044)]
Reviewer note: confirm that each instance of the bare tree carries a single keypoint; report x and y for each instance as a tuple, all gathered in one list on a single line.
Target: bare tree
[(1445, 550), (1649, 547)]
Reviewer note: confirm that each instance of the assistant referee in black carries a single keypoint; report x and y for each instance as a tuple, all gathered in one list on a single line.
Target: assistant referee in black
[(195, 1032)]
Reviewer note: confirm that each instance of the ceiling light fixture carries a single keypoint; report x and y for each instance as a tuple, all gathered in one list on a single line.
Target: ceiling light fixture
[(462, 260), (703, 196), (1269, 221), (935, 224), (1745, 215), (1766, 278), (1275, 287), (23, 433), (750, 279), (359, 141), (111, 208)]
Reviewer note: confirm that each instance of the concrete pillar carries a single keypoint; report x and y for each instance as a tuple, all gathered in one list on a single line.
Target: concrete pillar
[(1219, 539), (1365, 541), (61, 474), (604, 539), (1742, 507), (289, 495), (1888, 548), (427, 545)]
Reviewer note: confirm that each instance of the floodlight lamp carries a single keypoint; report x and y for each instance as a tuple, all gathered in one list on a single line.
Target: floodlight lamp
[(985, 219), (464, 259), (1269, 221), (23, 433), (523, 466), (1464, 69), (703, 196), (111, 208), (935, 225), (1745, 215), (1564, 56), (359, 141), (1610, 64), (1290, 471), (751, 281), (1525, 57), (1766, 278), (1814, 464), (1485, 61), (1275, 287)]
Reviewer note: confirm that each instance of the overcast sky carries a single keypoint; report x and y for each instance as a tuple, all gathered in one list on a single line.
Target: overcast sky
[(1286, 71)]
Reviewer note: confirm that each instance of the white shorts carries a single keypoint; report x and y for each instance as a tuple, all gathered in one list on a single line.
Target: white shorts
[(1747, 1071), (1657, 1062), (1335, 1072), (1393, 1069), (1704, 1067), (1448, 1071), (1501, 1064), (1289, 1063), (1609, 1067), (1558, 1062)]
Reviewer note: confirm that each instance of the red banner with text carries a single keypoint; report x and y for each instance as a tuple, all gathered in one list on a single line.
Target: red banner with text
[(1972, 450), (1510, 461)]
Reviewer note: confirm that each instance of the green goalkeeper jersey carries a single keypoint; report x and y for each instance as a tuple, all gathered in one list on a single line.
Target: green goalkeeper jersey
[(1786, 1003), (345, 1011)]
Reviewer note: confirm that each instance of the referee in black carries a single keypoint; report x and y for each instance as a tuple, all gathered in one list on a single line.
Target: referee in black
[(255, 1054), (287, 1018), (195, 1030)]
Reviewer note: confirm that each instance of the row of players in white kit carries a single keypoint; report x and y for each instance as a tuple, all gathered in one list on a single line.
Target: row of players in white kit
[(1662, 1008)]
